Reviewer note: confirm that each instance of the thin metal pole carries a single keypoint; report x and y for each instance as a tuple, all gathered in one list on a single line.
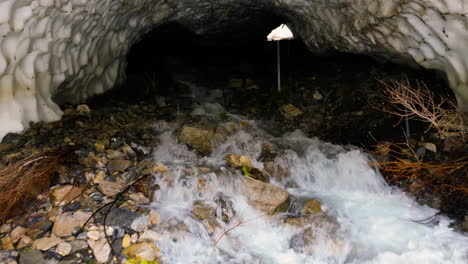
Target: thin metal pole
[(279, 63)]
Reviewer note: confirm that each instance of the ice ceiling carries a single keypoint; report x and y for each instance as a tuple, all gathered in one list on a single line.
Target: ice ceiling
[(73, 49)]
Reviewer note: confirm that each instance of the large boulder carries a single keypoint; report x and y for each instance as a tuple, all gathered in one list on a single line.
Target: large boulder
[(266, 197)]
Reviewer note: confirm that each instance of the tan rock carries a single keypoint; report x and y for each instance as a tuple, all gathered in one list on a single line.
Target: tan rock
[(126, 241), (99, 177), (149, 236), (65, 223), (63, 195), (100, 146), (265, 197), (154, 218), (6, 243), (17, 233), (5, 228), (144, 251), (139, 198), (202, 135), (93, 235), (46, 243), (24, 242), (101, 249), (109, 188), (63, 248), (290, 111), (83, 109)]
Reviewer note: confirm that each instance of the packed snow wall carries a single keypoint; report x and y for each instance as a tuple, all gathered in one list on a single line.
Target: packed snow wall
[(70, 50)]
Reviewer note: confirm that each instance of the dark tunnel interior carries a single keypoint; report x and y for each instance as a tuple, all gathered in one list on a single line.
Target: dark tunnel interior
[(166, 61)]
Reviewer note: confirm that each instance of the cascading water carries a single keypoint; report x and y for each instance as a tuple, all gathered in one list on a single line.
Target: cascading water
[(375, 223)]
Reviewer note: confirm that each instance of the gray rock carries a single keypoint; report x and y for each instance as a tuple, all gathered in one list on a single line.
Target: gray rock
[(32, 257), (127, 219), (78, 246)]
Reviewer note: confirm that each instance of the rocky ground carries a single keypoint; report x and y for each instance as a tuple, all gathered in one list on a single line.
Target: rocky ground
[(96, 208)]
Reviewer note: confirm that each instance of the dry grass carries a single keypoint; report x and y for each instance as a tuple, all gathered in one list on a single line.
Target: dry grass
[(404, 164), (23, 180)]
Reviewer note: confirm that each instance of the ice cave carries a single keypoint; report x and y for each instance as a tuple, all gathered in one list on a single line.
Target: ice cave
[(186, 131)]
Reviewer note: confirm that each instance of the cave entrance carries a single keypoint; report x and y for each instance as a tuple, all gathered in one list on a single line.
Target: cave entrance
[(332, 89)]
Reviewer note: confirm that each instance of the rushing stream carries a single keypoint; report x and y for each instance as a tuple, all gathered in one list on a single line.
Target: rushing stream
[(377, 223)]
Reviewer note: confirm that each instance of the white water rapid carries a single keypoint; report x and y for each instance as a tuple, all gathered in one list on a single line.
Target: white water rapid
[(375, 221)]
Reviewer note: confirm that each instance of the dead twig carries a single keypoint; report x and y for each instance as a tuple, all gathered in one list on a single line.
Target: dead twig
[(232, 228), (419, 103)]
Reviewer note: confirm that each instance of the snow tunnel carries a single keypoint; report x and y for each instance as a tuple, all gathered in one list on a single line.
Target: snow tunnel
[(52, 52)]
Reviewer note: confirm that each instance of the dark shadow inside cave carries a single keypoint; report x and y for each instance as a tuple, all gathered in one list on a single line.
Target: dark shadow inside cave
[(334, 90)]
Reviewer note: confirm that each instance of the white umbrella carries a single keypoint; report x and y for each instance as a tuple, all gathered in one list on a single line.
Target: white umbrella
[(277, 34)]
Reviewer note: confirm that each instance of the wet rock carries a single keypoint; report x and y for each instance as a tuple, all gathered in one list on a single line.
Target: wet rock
[(258, 175), (203, 209), (318, 221), (236, 161), (464, 224), (225, 209), (64, 224), (101, 249), (306, 240), (154, 218), (289, 111), (269, 152), (31, 257), (265, 197), (118, 165), (46, 243), (64, 194), (143, 251), (202, 136), (127, 219), (276, 171), (63, 248), (109, 188), (312, 207)]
